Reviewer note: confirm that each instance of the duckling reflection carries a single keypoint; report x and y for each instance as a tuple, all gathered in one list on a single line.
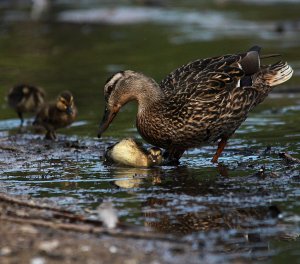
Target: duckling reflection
[(56, 115), (134, 177), (128, 152), (25, 98)]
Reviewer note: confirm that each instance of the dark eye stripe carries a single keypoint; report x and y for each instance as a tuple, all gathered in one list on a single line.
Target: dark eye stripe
[(113, 75), (109, 88)]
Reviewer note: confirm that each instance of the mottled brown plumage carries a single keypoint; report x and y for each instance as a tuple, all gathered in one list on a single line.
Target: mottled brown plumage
[(58, 114), (201, 102), (24, 98)]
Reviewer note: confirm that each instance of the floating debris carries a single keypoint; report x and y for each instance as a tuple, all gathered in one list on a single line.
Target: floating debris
[(288, 158), (108, 215)]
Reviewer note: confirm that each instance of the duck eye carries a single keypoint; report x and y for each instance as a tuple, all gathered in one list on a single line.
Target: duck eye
[(111, 84), (109, 90)]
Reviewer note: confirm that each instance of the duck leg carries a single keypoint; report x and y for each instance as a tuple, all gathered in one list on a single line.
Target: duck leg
[(20, 115), (221, 146), (173, 155), (50, 135)]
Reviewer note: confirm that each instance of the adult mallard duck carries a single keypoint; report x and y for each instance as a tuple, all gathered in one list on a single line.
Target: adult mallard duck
[(130, 153), (201, 102), (24, 98), (58, 114)]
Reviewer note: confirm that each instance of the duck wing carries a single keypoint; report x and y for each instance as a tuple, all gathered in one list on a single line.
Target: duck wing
[(208, 77)]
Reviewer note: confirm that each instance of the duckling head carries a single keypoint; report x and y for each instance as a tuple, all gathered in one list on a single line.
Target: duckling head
[(155, 156), (65, 102), (123, 87)]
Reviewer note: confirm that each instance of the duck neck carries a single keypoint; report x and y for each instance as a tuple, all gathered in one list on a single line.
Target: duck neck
[(147, 93)]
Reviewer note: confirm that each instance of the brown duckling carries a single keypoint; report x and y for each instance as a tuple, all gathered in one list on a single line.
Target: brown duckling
[(155, 156), (130, 153), (58, 114), (202, 102), (24, 98)]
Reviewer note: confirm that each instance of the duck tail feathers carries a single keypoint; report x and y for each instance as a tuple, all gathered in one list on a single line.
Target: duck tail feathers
[(277, 73)]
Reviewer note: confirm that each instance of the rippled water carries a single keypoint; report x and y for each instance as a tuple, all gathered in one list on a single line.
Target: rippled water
[(245, 210)]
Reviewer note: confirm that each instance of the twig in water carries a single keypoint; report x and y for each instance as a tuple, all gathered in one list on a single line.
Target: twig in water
[(288, 158), (10, 148), (84, 228)]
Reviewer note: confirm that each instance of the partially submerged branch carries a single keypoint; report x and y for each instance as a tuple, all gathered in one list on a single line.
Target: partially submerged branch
[(288, 158), (57, 218)]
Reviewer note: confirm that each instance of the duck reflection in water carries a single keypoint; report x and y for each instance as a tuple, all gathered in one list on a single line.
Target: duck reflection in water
[(230, 229), (234, 226)]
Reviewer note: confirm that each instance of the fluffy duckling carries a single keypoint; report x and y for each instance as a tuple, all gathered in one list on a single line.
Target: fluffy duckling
[(25, 98), (155, 156), (130, 153), (58, 114)]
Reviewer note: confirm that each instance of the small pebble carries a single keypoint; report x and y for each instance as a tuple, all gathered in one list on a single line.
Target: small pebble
[(85, 248), (130, 261), (5, 251), (48, 246), (38, 260), (113, 249), (29, 229), (107, 214), (155, 262)]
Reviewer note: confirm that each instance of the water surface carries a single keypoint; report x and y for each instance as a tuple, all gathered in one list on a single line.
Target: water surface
[(245, 210)]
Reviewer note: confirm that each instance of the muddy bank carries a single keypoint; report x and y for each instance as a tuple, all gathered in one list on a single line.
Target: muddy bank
[(182, 214), (34, 231)]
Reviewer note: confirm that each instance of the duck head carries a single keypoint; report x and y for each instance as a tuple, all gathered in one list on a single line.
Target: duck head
[(121, 88), (65, 102), (155, 156)]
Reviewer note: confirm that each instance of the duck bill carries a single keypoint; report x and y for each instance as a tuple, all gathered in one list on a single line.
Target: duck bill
[(108, 117)]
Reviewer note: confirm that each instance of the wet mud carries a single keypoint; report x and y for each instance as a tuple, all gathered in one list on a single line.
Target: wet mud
[(235, 212)]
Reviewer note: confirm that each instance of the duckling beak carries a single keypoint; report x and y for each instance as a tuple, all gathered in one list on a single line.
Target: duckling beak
[(69, 110), (106, 120)]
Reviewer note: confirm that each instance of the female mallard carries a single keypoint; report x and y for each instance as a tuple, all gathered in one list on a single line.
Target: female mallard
[(201, 102), (25, 98), (130, 153), (56, 115)]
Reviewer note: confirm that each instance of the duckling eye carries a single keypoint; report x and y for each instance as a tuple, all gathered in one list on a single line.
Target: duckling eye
[(25, 90), (63, 100)]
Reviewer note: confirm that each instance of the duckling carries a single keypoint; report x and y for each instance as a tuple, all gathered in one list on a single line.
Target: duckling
[(58, 114), (130, 153), (25, 98), (202, 102), (155, 156)]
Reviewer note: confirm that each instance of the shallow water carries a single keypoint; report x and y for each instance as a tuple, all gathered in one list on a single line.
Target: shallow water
[(229, 212)]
